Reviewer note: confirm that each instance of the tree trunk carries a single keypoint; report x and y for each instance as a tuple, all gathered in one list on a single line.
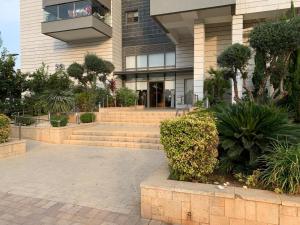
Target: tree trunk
[(236, 91)]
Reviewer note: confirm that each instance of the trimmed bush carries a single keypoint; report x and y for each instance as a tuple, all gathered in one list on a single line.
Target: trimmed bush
[(88, 118), (25, 120), (282, 171), (59, 120), (126, 97), (190, 143), (247, 130), (4, 128)]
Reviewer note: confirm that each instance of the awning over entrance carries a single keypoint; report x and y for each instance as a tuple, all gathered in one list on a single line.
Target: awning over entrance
[(174, 70)]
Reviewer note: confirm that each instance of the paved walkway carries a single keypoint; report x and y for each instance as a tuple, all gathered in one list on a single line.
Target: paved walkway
[(62, 184)]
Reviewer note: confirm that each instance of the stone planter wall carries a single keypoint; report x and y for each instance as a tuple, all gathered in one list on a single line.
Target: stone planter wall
[(202, 204), (12, 148), (53, 135)]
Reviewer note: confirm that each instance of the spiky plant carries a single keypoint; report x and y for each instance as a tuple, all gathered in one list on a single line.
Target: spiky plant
[(282, 169), (247, 130)]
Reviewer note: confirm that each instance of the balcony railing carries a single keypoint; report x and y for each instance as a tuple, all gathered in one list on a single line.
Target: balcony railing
[(77, 9)]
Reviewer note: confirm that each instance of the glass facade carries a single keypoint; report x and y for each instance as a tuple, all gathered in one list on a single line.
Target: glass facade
[(153, 90), (152, 61), (76, 9)]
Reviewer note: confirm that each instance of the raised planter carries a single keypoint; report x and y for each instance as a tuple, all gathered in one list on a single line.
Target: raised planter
[(204, 204), (53, 135), (12, 148)]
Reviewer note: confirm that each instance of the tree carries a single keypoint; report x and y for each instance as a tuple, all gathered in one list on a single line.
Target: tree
[(12, 84), (93, 69), (216, 86), (236, 59), (275, 41)]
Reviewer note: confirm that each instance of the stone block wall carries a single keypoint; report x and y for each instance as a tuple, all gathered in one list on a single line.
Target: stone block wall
[(202, 204), (12, 148)]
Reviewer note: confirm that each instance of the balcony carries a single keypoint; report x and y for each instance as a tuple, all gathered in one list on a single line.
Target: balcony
[(77, 21)]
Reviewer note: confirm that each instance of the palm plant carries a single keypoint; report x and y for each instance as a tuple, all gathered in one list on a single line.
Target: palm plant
[(247, 130), (282, 170), (58, 101)]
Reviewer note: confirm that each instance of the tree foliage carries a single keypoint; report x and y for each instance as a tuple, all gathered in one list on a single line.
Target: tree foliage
[(216, 86), (93, 69), (236, 59), (275, 41)]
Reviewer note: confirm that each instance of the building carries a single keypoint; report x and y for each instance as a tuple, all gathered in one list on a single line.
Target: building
[(161, 49)]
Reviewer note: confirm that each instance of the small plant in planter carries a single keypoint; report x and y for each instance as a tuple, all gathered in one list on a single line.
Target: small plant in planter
[(88, 118), (59, 120), (4, 128)]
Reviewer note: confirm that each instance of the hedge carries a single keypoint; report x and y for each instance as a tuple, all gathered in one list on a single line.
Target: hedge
[(59, 120), (190, 143), (88, 118), (4, 128)]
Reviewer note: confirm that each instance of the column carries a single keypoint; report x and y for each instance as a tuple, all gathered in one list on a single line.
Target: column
[(237, 37), (199, 59)]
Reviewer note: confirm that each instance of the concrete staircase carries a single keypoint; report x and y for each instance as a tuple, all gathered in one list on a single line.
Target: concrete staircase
[(130, 129)]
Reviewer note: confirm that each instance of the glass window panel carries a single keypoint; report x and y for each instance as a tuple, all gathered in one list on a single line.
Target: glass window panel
[(131, 78), (170, 76), (170, 59), (188, 91), (141, 86), (51, 13), (156, 77), (132, 17), (66, 11), (130, 85), (157, 60), (130, 62), (142, 61), (170, 85), (142, 77), (83, 8)]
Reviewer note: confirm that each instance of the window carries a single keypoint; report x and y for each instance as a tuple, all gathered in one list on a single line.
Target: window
[(142, 61), (130, 62), (170, 59), (188, 91), (157, 60), (132, 17)]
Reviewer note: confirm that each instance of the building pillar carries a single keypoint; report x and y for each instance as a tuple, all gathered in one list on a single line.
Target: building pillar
[(237, 37), (199, 59)]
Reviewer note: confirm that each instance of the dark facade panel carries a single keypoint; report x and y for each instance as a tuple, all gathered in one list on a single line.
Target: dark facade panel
[(146, 31)]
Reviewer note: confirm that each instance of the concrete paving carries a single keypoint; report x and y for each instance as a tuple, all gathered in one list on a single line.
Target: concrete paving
[(86, 177)]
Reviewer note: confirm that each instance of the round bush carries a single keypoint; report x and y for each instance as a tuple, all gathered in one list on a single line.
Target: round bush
[(4, 128), (190, 143), (59, 120), (88, 118)]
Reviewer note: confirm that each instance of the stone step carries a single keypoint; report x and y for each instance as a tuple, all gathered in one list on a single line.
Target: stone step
[(117, 133), (115, 139), (133, 145)]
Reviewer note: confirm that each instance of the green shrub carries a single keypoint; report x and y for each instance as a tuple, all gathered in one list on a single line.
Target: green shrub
[(247, 130), (104, 97), (4, 128), (86, 101), (282, 171), (88, 118), (190, 143), (25, 120), (59, 120), (126, 97)]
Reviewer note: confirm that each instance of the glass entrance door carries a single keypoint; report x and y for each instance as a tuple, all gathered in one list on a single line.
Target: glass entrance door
[(156, 94)]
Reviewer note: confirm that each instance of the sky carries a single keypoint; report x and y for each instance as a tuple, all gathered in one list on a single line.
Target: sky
[(10, 26)]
